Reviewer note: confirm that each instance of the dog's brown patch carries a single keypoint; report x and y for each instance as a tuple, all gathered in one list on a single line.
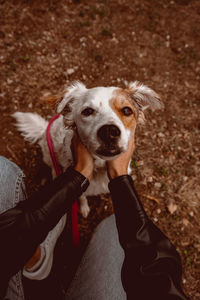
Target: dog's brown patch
[(53, 100), (120, 100)]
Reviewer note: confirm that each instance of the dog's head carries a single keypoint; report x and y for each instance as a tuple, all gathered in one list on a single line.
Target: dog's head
[(105, 117)]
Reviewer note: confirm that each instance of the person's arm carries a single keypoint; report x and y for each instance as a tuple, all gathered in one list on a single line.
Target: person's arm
[(25, 226), (152, 267)]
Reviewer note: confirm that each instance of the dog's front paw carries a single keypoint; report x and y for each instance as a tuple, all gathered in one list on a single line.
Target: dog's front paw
[(84, 209)]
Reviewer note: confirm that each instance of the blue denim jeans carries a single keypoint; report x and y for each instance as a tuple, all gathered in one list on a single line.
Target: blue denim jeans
[(99, 274), (12, 191)]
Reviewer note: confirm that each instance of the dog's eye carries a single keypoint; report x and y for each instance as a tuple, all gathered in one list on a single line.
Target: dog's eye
[(87, 111), (127, 111)]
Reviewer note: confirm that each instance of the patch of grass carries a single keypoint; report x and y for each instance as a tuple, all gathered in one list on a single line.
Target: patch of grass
[(188, 261), (152, 22), (181, 61), (38, 36), (162, 170), (191, 54), (26, 58), (12, 66), (15, 13), (163, 187), (85, 23), (100, 11), (106, 32), (104, 1), (134, 164), (188, 256), (81, 13), (92, 11), (176, 218)]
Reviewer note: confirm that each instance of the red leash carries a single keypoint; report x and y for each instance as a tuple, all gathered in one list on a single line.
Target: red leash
[(75, 206)]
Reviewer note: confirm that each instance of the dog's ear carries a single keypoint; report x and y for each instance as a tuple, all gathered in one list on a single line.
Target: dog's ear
[(143, 97), (71, 93), (66, 105), (64, 101), (53, 100)]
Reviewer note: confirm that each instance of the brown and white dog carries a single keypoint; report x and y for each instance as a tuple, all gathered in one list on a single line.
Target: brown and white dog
[(104, 117)]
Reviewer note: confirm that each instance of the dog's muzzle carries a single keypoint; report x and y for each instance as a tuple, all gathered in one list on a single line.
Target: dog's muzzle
[(108, 135)]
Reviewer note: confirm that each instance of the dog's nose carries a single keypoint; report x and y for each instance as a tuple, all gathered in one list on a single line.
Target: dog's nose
[(108, 132)]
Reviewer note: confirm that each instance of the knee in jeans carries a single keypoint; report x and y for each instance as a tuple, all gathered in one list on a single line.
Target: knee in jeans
[(8, 168), (11, 184)]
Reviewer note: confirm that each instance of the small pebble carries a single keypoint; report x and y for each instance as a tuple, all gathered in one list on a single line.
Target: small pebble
[(9, 81), (70, 71), (150, 179), (160, 134), (134, 177), (157, 185)]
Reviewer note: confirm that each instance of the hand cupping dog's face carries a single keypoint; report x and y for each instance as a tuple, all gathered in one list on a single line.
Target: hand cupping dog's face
[(106, 117)]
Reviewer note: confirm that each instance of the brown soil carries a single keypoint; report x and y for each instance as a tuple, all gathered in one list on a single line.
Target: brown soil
[(45, 45)]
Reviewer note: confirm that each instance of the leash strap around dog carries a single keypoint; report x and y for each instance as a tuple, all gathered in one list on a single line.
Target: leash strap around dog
[(75, 207)]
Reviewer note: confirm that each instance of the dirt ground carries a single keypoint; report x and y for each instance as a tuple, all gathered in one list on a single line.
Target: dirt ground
[(45, 45)]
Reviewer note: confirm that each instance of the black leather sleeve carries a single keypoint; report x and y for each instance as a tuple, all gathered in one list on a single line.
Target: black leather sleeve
[(152, 267), (25, 226)]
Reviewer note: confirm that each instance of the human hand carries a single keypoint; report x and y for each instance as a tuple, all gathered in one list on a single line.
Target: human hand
[(83, 160), (119, 165)]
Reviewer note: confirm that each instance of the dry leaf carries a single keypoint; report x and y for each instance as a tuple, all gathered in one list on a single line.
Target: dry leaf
[(172, 207), (184, 244), (185, 222), (152, 198), (197, 246)]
